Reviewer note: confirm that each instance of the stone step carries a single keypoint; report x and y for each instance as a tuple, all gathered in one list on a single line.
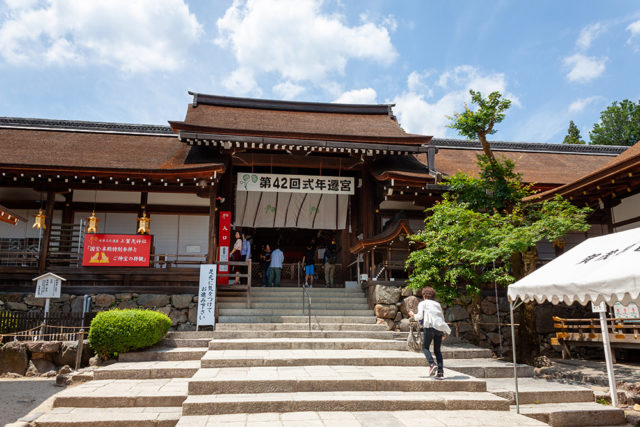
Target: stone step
[(467, 418), (290, 312), (287, 357), (306, 343), (313, 291), (299, 326), (574, 414), (148, 370), (189, 334), (297, 305), (112, 417), (124, 393), (185, 342), (302, 334), (289, 379), (537, 391), (164, 353), (297, 299), (340, 401), (488, 368), (297, 319)]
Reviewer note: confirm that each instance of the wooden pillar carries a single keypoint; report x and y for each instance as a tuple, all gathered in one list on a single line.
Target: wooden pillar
[(46, 234), (66, 233), (144, 200), (367, 210), (213, 243)]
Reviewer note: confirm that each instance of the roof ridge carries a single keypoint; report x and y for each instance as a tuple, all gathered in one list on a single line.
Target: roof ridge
[(82, 125), (611, 150)]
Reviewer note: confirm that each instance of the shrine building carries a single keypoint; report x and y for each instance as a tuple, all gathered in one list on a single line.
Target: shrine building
[(113, 206)]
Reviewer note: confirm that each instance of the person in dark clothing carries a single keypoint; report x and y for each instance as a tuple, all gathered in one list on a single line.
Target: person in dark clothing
[(330, 259), (308, 260), (265, 260)]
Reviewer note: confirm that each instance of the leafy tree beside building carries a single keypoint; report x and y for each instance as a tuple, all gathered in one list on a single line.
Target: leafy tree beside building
[(484, 232), (573, 135), (619, 124)]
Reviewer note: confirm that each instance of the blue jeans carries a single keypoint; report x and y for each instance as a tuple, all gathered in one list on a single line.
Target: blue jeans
[(265, 276), (431, 334), (274, 276)]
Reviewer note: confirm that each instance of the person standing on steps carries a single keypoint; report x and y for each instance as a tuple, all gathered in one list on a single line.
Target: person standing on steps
[(245, 252), (275, 267), (308, 260), (265, 261), (434, 329), (330, 259), (236, 256)]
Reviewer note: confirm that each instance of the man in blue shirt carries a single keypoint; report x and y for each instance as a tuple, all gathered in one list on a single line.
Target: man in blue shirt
[(275, 267), (246, 248)]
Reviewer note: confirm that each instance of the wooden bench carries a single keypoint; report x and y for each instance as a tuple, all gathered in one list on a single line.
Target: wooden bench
[(623, 333)]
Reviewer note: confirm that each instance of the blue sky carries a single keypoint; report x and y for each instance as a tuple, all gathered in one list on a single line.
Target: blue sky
[(133, 61)]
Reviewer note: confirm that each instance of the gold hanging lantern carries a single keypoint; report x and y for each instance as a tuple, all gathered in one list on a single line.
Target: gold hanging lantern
[(143, 224), (39, 222), (92, 223)]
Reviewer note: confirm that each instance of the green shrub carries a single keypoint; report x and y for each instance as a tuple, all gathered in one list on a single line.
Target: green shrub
[(119, 331)]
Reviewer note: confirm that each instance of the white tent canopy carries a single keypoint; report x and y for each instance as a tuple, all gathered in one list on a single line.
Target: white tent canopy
[(605, 268)]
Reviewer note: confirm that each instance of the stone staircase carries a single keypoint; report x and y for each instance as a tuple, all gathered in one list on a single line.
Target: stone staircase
[(260, 367)]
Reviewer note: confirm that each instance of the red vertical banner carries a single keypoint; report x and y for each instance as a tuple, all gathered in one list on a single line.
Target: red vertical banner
[(224, 237)]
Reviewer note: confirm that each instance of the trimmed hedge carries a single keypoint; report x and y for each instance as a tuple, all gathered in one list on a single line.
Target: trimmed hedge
[(119, 331)]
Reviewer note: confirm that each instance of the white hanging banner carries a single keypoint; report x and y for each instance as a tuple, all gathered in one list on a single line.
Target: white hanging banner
[(207, 295), (284, 183)]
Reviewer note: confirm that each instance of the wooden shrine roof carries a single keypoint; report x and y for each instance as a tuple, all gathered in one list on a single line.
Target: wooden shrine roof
[(9, 216), (289, 120), (546, 165), (69, 145), (388, 234), (403, 168), (618, 177)]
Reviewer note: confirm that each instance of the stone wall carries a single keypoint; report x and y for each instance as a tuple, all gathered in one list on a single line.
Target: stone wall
[(392, 304), (41, 358), (182, 309)]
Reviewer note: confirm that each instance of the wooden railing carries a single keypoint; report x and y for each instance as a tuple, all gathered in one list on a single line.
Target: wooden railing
[(623, 332), (23, 326)]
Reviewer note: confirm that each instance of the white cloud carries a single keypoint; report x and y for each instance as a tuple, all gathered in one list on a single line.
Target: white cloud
[(358, 96), (134, 36), (288, 90), (634, 29), (588, 35), (418, 115), (580, 104), (584, 68), (242, 82), (296, 40)]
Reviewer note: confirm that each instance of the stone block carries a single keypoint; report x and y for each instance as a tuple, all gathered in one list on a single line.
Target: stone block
[(33, 301), (489, 323), (403, 325), (14, 358), (124, 296), (153, 300), (43, 346), (76, 304), (387, 294), (493, 338), (165, 310), (43, 366), (181, 300), (398, 317), (488, 307), (104, 300), (177, 316), (186, 327), (407, 292), (409, 304), (385, 311), (387, 322), (456, 313), (193, 315), (16, 306), (127, 304), (32, 371)]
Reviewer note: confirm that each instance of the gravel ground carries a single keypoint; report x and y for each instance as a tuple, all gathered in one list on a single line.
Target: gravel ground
[(20, 396)]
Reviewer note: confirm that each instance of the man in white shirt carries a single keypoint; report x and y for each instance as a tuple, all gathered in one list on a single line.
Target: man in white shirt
[(275, 267), (434, 329)]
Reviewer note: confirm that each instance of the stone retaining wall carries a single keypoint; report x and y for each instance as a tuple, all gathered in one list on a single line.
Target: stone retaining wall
[(41, 358), (182, 309)]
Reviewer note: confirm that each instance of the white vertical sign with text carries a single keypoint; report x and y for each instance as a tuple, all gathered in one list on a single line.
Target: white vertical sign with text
[(207, 295)]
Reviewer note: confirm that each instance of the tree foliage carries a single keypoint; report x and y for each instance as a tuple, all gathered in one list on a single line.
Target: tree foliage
[(619, 124), (573, 135), (481, 122)]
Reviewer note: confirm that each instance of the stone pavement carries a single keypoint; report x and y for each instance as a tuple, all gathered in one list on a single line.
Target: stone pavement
[(278, 373)]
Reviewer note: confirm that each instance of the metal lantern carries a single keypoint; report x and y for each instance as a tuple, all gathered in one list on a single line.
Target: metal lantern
[(92, 223), (143, 223), (39, 222)]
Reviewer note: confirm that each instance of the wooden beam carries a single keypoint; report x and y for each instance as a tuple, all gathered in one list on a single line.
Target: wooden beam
[(298, 161), (46, 236)]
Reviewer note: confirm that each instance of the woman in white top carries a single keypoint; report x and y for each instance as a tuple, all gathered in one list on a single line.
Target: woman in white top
[(236, 256), (434, 329)]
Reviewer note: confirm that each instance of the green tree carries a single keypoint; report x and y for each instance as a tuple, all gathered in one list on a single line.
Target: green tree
[(483, 220), (573, 135), (481, 122), (619, 125)]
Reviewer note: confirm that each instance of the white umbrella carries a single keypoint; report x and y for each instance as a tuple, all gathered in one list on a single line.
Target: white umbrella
[(603, 269)]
